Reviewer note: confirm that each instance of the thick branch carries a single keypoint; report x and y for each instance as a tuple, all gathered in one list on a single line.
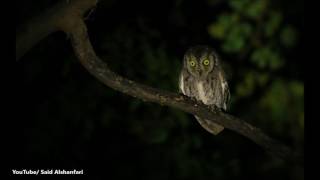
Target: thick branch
[(30, 33), (73, 25)]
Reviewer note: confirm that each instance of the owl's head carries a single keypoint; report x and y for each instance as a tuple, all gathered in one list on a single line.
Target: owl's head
[(200, 61)]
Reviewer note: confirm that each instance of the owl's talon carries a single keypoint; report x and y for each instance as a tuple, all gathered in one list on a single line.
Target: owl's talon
[(193, 99), (214, 108)]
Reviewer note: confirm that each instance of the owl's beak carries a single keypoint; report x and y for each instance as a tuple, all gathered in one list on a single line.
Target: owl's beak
[(199, 72), (202, 74)]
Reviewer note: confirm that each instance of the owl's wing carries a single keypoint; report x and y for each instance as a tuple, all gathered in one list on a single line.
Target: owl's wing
[(226, 94), (181, 83), (225, 90)]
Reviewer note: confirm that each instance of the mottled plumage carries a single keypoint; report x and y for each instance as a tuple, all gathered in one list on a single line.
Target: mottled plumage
[(203, 78)]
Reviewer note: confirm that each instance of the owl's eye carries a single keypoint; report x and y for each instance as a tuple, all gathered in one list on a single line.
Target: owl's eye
[(206, 62), (192, 63)]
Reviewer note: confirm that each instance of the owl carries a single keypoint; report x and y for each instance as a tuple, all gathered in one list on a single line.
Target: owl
[(202, 78)]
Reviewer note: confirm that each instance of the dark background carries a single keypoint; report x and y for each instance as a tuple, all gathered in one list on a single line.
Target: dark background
[(68, 119)]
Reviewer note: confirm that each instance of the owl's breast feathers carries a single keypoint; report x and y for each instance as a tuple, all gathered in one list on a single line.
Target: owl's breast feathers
[(209, 93), (181, 84), (202, 94)]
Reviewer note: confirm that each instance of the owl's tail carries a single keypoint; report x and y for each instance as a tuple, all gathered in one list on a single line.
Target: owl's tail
[(210, 126)]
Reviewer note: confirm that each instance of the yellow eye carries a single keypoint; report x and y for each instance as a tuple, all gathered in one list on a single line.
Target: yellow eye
[(192, 63), (206, 62)]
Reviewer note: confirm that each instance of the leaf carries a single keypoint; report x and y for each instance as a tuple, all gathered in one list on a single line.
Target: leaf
[(256, 8), (262, 78), (273, 23), (266, 57), (246, 87), (297, 88), (237, 36), (238, 5), (275, 61), (288, 36), (260, 57), (217, 30), (220, 28), (233, 44), (276, 101)]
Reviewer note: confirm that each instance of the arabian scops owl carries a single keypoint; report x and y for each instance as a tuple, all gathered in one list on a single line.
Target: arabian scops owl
[(203, 78)]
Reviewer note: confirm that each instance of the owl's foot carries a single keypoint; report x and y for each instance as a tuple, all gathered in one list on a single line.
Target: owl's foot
[(194, 99), (215, 108)]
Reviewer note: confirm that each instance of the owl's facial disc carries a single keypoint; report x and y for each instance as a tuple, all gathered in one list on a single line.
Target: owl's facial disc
[(206, 65), (200, 61), (193, 65)]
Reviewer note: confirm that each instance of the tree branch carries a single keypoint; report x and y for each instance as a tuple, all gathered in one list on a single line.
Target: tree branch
[(69, 19), (30, 33)]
